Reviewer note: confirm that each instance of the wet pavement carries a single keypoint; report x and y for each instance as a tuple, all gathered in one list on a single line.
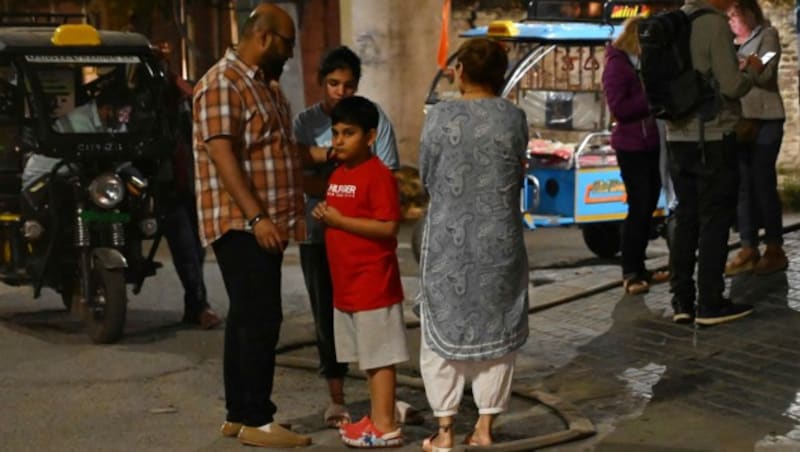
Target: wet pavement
[(646, 383)]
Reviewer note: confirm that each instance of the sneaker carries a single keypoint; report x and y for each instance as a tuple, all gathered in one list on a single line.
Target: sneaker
[(683, 312), (773, 260), (744, 261), (367, 436), (721, 313), (277, 437)]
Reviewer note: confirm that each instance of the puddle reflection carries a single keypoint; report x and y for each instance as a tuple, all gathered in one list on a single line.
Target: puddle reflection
[(640, 381)]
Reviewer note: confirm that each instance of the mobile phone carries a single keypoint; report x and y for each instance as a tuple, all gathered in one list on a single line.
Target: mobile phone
[(767, 57)]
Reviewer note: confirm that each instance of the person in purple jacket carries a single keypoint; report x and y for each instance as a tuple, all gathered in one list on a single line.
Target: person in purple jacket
[(635, 139)]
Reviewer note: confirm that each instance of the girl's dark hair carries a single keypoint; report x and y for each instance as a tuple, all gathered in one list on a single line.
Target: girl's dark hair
[(753, 7), (357, 111), (339, 58), (484, 62)]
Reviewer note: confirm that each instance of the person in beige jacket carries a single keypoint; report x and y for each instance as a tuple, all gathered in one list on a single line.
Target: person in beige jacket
[(703, 165), (762, 108)]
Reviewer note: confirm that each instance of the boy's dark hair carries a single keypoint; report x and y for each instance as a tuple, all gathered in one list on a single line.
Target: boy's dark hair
[(339, 58), (357, 111)]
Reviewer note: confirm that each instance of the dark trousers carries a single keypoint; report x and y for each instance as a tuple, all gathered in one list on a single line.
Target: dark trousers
[(180, 230), (759, 202), (252, 279), (642, 178), (706, 183), (317, 275)]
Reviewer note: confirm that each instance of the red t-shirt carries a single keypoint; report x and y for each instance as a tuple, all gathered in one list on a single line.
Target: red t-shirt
[(364, 271)]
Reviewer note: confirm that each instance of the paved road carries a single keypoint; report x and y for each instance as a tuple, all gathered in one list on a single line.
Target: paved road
[(646, 383)]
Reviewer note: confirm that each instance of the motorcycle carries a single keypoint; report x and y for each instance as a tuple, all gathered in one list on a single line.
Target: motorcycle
[(76, 218)]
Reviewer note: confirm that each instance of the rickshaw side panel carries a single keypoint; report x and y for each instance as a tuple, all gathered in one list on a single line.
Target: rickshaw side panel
[(599, 195), (556, 187)]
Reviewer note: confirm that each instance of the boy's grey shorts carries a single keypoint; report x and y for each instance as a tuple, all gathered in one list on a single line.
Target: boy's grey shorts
[(373, 339)]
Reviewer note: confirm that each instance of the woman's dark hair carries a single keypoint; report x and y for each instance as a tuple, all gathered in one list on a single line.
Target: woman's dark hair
[(339, 58), (751, 6), (484, 62), (357, 111)]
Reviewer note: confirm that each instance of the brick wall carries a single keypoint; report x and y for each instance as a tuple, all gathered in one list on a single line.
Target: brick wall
[(781, 15)]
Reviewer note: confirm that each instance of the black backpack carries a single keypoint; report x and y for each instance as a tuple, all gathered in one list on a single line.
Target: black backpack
[(675, 90)]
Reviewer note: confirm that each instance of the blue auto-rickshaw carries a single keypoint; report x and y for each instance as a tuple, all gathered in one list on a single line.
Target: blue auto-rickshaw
[(556, 58)]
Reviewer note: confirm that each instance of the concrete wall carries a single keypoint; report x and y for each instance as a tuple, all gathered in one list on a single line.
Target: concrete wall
[(397, 42)]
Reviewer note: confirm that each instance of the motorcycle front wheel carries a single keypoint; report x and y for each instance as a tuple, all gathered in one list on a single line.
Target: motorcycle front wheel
[(105, 315)]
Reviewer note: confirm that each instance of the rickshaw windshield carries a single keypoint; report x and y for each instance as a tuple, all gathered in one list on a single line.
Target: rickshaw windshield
[(445, 88), (561, 91), (88, 94)]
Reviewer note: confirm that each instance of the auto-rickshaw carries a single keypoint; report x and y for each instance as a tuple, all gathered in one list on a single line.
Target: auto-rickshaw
[(556, 58), (84, 104)]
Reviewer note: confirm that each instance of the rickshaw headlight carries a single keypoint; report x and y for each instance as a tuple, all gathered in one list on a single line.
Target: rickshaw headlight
[(107, 190)]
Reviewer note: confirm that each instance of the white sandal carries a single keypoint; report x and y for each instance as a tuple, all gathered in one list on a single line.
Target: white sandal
[(427, 443), (336, 415), (406, 414)]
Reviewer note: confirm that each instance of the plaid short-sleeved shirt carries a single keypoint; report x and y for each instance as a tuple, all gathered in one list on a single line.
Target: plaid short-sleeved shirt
[(234, 100)]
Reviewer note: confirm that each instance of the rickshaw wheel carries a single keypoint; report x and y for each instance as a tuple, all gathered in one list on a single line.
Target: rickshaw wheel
[(105, 318), (603, 239)]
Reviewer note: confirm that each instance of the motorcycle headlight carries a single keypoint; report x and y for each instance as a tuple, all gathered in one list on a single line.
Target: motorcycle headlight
[(107, 190)]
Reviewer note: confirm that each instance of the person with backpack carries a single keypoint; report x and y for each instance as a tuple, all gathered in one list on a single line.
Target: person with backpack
[(762, 109), (692, 78), (636, 141)]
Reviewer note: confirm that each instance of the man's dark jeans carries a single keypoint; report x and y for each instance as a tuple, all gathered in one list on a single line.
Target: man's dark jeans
[(180, 230), (759, 202), (317, 275), (642, 179), (706, 183), (252, 279)]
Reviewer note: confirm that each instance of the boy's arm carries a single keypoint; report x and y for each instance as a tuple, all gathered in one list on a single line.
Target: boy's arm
[(365, 227)]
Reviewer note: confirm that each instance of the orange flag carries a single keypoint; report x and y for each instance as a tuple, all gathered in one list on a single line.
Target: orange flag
[(444, 35)]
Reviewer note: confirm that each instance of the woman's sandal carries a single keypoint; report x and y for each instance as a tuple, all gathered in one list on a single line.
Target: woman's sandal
[(336, 415), (470, 441), (636, 286), (427, 443)]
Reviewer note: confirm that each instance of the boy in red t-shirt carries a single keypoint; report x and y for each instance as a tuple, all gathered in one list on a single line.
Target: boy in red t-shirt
[(361, 211)]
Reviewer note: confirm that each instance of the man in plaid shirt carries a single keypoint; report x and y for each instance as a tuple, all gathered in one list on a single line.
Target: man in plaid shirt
[(250, 204)]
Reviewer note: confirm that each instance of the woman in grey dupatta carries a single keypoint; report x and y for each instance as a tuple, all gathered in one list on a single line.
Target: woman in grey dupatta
[(473, 301)]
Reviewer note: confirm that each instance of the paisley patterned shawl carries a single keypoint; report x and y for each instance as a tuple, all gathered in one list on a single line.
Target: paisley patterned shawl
[(474, 289)]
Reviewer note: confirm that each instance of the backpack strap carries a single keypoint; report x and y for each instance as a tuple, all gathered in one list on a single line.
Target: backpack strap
[(701, 124), (698, 13)]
